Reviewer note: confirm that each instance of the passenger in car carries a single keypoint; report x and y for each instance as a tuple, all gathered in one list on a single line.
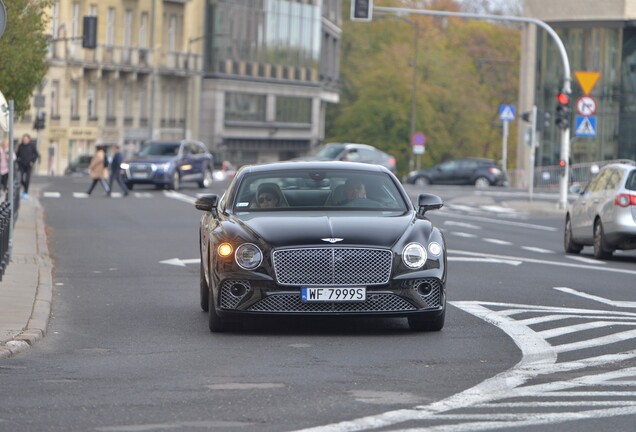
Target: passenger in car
[(355, 190), (269, 195)]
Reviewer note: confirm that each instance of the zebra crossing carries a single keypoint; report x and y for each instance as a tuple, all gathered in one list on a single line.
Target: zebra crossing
[(556, 380)]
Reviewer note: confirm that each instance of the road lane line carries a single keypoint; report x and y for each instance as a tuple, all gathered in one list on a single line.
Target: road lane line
[(617, 303), (497, 241), (502, 222), (536, 249)]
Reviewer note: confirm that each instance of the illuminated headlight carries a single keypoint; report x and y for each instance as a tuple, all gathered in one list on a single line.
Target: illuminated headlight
[(225, 250), (164, 167), (124, 166), (434, 248), (414, 255), (248, 256)]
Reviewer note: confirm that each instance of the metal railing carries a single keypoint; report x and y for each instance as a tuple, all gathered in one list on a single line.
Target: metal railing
[(5, 224)]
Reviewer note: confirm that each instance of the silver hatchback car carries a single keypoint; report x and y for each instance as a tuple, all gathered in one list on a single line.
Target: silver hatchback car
[(604, 213)]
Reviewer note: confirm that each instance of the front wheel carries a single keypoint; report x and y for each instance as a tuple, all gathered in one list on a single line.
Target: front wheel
[(130, 185), (421, 323), (569, 244), (205, 289), (207, 179), (422, 181), (175, 182), (482, 183)]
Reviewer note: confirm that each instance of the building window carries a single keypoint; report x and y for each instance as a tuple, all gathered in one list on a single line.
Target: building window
[(75, 23), (110, 102), (110, 27), (74, 98), (293, 109), (143, 106), (55, 102), (91, 101), (93, 10), (245, 107), (143, 31), (128, 22), (172, 33)]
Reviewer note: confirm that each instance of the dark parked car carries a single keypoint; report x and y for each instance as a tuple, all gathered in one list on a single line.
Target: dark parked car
[(320, 239), (170, 163), (79, 166), (471, 171), (604, 213), (352, 152)]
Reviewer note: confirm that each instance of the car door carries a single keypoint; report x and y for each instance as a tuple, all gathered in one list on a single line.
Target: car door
[(584, 211), (446, 173), (193, 161)]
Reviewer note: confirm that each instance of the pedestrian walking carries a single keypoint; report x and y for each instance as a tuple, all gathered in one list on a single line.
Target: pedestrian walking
[(26, 156), (98, 171), (115, 171), (4, 164)]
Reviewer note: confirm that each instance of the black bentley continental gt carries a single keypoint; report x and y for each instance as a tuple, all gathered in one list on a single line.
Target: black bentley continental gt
[(320, 239)]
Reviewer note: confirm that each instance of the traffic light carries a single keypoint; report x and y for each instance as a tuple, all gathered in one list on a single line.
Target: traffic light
[(89, 32), (562, 167), (361, 10), (527, 117), (562, 117), (40, 121)]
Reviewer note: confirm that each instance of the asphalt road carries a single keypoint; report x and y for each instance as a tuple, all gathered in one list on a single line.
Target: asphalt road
[(534, 339)]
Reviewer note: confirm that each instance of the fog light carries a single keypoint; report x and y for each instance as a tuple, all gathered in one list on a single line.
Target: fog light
[(238, 290)]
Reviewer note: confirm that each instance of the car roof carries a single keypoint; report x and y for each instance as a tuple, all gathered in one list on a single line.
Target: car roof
[(307, 165)]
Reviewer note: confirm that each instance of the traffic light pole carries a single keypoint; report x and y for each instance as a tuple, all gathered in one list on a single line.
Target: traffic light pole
[(567, 80)]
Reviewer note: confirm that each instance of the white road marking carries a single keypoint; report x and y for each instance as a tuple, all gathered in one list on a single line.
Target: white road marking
[(80, 195), (180, 262), (614, 303), (585, 260), (484, 260), (551, 263), (462, 225), (503, 222), (536, 249), (51, 194), (498, 209), (497, 241), (143, 194), (180, 196), (462, 234)]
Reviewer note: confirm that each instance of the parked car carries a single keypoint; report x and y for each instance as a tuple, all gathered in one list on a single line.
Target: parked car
[(170, 163), (352, 152), (604, 213), (79, 166), (298, 238), (470, 171)]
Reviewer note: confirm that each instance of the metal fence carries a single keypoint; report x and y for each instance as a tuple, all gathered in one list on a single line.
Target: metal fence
[(549, 176), (5, 224)]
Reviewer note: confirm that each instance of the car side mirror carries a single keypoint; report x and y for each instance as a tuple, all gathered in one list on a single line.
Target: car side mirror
[(207, 202), (428, 202)]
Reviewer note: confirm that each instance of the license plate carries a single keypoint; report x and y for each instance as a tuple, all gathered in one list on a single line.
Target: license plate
[(330, 294), (140, 175)]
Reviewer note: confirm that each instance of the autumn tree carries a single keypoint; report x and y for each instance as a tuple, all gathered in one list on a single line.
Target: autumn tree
[(23, 48)]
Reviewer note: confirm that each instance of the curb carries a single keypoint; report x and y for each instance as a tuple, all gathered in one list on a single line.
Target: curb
[(36, 327)]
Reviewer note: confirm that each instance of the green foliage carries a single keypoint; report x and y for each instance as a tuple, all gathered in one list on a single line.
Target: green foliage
[(465, 70), (23, 50)]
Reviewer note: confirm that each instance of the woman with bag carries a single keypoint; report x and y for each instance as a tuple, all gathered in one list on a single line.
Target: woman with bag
[(97, 170)]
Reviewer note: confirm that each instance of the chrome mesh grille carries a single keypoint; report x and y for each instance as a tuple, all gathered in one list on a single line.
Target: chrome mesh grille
[(229, 300), (332, 266), (290, 302)]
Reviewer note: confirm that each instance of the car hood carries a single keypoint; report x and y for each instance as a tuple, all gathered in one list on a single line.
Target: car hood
[(151, 159), (279, 230)]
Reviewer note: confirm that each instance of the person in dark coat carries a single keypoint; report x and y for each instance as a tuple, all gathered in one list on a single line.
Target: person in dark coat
[(26, 156), (115, 171)]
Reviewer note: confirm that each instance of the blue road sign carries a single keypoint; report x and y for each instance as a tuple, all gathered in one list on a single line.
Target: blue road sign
[(507, 112), (585, 126)]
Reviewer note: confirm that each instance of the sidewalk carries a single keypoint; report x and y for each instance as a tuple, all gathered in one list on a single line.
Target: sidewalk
[(26, 288)]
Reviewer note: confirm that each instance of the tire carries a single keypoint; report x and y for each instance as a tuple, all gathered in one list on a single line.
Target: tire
[(207, 179), (422, 181), (420, 323), (482, 183), (205, 289), (601, 250), (215, 322), (175, 182), (570, 245)]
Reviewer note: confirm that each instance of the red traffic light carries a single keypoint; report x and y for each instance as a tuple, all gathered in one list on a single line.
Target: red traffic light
[(563, 98), (562, 163)]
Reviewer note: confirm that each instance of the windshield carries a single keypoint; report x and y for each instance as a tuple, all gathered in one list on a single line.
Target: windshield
[(329, 152), (159, 149), (319, 189)]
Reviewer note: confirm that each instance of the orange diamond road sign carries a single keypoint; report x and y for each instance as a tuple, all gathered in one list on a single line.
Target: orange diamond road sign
[(587, 80)]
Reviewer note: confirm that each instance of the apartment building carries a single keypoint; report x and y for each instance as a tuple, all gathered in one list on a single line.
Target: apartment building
[(142, 81), (599, 37)]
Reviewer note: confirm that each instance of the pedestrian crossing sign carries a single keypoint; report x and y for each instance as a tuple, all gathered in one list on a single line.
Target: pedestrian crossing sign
[(585, 126), (507, 112)]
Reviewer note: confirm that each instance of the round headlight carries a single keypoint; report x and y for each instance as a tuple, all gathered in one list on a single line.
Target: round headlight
[(225, 249), (414, 255), (248, 256), (434, 248), (124, 165)]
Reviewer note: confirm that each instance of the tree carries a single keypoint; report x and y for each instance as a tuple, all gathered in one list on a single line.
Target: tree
[(23, 49)]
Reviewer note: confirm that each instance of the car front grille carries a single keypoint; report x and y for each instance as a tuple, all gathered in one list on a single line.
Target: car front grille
[(430, 291), (141, 169), (291, 303), (232, 292), (332, 266)]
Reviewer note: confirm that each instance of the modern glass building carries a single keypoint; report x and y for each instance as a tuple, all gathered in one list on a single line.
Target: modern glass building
[(598, 37), (270, 69)]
